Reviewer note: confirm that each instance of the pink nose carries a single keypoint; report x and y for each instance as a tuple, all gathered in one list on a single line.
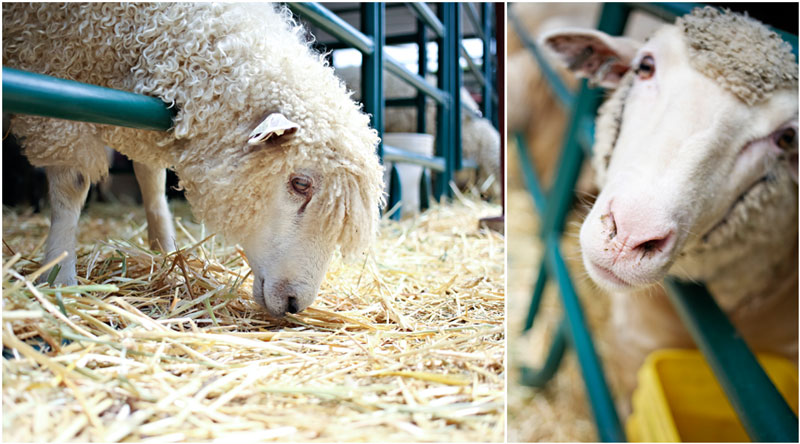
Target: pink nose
[(637, 233)]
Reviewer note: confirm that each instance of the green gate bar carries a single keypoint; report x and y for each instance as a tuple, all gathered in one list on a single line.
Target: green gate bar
[(42, 95)]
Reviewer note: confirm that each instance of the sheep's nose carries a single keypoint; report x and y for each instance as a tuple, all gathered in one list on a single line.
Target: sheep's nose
[(637, 232), (291, 306)]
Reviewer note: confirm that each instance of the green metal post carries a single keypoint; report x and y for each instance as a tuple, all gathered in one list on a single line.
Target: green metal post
[(488, 71), (455, 92), (421, 102), (764, 413), (372, 22), (395, 189), (425, 190), (422, 61), (443, 130), (373, 25), (38, 94)]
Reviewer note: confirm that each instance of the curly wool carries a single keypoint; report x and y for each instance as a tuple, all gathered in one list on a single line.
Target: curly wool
[(225, 67), (739, 53)]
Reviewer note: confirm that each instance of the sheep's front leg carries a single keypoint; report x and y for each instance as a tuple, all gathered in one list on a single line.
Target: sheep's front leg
[(67, 189), (152, 183)]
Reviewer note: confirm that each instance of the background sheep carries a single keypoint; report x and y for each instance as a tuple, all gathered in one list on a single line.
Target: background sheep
[(288, 194), (696, 157), (480, 139)]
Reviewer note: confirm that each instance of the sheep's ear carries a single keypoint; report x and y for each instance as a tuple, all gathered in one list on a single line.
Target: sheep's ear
[(591, 54), (275, 126)]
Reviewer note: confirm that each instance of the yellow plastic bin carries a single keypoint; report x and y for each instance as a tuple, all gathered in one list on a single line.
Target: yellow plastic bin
[(678, 399)]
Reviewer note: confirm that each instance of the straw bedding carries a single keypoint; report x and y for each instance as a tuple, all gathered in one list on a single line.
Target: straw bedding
[(405, 345)]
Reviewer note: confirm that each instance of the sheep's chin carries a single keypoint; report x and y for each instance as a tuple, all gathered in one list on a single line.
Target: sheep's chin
[(610, 281)]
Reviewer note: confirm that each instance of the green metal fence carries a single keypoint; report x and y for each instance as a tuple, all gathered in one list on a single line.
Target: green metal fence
[(763, 412)]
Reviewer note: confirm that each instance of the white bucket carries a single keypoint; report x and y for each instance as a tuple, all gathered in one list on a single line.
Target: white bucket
[(410, 175)]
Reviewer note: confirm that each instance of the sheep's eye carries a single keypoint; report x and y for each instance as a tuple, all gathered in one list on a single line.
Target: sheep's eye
[(646, 68), (301, 185), (787, 139)]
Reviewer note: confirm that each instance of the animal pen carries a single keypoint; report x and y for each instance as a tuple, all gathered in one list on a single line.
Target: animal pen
[(406, 345), (763, 412)]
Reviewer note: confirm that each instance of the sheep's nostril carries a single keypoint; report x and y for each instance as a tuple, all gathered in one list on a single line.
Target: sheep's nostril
[(653, 246), (291, 307), (610, 224)]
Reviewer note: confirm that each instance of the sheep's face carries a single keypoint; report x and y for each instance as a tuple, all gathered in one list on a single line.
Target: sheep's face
[(304, 198), (287, 251), (676, 154)]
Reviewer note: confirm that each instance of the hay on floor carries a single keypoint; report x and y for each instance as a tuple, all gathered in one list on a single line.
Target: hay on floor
[(405, 345)]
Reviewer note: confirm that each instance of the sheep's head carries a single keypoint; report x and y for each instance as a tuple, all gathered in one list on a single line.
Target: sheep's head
[(697, 145), (290, 198)]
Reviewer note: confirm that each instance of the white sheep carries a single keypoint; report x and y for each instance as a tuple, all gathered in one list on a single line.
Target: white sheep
[(480, 140), (696, 157), (271, 150)]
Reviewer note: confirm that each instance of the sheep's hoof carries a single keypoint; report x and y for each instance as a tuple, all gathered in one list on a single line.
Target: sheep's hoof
[(63, 279)]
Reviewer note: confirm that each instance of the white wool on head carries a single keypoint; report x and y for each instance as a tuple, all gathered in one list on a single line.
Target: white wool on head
[(224, 67), (738, 52)]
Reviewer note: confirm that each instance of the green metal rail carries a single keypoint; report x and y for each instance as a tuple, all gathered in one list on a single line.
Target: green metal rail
[(30, 93), (762, 410)]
